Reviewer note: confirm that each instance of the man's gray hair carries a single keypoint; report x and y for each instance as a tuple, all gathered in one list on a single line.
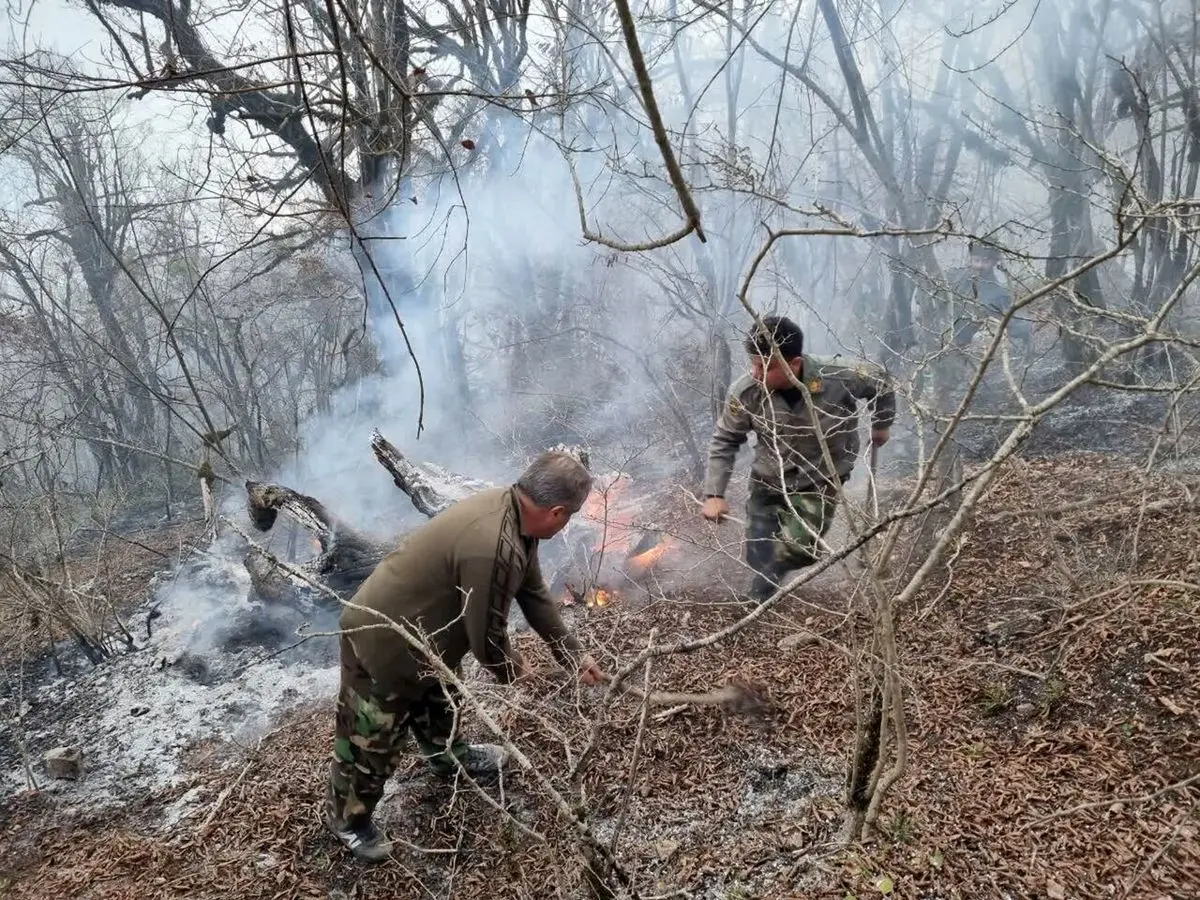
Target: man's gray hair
[(556, 479)]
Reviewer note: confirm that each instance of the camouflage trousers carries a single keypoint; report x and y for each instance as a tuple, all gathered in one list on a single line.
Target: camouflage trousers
[(783, 531), (371, 735)]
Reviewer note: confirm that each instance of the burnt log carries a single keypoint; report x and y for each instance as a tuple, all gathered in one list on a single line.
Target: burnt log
[(346, 555), (431, 488), (345, 558), (265, 501)]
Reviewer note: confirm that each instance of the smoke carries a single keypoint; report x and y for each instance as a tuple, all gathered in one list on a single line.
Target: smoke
[(525, 335), (501, 333)]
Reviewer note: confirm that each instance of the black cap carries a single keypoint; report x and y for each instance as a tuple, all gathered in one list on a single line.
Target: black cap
[(786, 333)]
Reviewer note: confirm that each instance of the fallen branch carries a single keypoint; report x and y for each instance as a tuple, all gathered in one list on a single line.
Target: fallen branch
[(418, 481), (265, 501), (1144, 798), (638, 742), (736, 696), (346, 556)]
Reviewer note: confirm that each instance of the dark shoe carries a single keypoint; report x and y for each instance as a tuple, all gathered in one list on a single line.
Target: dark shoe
[(480, 761), (761, 590), (485, 760), (365, 841)]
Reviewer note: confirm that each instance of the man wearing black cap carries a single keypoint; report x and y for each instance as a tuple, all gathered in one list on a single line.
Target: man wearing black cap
[(806, 449)]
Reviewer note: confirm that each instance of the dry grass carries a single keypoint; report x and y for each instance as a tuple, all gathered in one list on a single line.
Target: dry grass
[(110, 579), (1053, 702)]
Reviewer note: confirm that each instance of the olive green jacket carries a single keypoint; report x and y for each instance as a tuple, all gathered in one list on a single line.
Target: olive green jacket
[(788, 451), (453, 581)]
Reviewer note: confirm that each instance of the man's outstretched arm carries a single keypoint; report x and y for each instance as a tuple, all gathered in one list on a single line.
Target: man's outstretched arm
[(730, 432), (543, 617), (872, 384)]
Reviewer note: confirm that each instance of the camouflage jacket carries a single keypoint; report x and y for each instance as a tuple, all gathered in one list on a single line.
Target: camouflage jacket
[(454, 580), (788, 449)]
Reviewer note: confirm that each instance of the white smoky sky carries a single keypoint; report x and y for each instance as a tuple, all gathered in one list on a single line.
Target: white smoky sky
[(502, 238)]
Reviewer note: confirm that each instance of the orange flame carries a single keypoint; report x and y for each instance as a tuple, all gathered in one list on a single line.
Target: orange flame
[(611, 517), (642, 563), (620, 547), (605, 498), (592, 599)]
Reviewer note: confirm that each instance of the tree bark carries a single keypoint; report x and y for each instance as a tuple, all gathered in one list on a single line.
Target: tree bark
[(345, 556)]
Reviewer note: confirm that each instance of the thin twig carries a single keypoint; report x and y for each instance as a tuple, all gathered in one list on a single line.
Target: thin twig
[(1158, 854), (203, 830), (638, 742), (1144, 798)]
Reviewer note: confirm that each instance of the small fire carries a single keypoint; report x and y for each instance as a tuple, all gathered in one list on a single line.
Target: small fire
[(640, 564), (603, 501), (594, 598), (617, 549)]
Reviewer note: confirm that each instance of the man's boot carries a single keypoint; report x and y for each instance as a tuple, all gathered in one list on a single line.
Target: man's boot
[(761, 589), (479, 761), (767, 581), (357, 833), (362, 839)]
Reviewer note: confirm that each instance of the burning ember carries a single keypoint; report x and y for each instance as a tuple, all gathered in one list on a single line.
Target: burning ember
[(649, 550), (613, 549), (595, 598)]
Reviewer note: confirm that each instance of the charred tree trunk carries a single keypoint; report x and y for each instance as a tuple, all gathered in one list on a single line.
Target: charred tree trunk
[(431, 488), (344, 560), (345, 556)]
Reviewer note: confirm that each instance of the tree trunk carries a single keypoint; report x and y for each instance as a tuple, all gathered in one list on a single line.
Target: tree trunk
[(346, 556)]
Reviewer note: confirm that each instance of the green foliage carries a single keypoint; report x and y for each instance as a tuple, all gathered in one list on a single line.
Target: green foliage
[(900, 829), (1054, 692), (995, 697)]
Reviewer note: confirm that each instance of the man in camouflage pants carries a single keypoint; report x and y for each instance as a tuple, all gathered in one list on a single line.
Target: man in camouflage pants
[(451, 582), (800, 463)]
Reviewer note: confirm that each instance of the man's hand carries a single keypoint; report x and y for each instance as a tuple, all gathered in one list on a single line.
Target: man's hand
[(589, 671), (879, 436), (715, 509)]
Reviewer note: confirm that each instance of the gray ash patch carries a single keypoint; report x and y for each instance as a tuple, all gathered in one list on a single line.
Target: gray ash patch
[(779, 793), (212, 664), (785, 786)]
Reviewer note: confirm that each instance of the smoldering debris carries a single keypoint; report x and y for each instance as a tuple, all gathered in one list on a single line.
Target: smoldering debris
[(211, 669)]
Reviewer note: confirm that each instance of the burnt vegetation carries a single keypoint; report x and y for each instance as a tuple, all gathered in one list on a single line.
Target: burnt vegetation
[(279, 283)]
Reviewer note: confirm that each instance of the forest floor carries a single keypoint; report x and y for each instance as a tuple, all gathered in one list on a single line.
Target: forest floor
[(1053, 744)]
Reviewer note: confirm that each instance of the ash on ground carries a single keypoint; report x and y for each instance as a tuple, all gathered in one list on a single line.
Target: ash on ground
[(778, 795), (208, 662)]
